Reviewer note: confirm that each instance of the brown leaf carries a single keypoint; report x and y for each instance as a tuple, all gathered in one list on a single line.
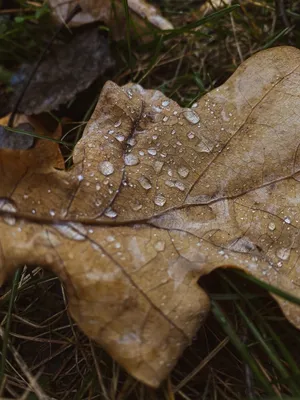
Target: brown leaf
[(15, 140), (102, 10), (67, 70), (213, 5), (157, 197)]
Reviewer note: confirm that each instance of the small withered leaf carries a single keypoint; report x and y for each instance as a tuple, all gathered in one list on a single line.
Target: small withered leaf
[(158, 196), (68, 69), (104, 10)]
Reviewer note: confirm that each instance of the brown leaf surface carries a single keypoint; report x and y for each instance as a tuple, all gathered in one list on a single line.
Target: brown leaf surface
[(102, 10), (157, 197)]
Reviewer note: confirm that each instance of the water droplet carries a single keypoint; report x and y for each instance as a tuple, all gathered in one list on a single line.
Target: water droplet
[(191, 116), (160, 200), (180, 186), (98, 203), (158, 166), (131, 142), (145, 183), (141, 153), (80, 178), (194, 105), (33, 211), (287, 220), (159, 246), (136, 206), (110, 213), (152, 152), (7, 205), (165, 118), (72, 230), (98, 186), (204, 147), (118, 123), (183, 172), (191, 135), (284, 253), (165, 103), (52, 213), (120, 138), (106, 168), (272, 226), (131, 159), (170, 183)]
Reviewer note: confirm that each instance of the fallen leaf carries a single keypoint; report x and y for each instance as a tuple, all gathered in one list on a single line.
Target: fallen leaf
[(15, 140), (68, 69), (213, 5), (159, 196), (102, 10)]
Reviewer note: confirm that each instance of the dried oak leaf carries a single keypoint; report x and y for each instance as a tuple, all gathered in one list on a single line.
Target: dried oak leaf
[(15, 140), (157, 197), (213, 5), (104, 10), (69, 69)]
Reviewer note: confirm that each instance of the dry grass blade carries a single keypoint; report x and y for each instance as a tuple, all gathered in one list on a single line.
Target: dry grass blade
[(32, 381), (202, 364)]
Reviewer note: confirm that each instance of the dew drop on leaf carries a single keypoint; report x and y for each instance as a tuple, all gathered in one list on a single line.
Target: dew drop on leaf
[(152, 152), (120, 138), (145, 183), (106, 168), (191, 116), (180, 186), (110, 213), (159, 246), (272, 226), (7, 205), (72, 230), (160, 200), (283, 254), (131, 159), (183, 172)]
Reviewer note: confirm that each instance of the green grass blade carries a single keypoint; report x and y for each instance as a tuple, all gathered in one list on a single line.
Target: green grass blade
[(36, 135), (276, 37), (128, 37), (266, 328), (187, 28), (270, 288), (269, 351), (241, 347)]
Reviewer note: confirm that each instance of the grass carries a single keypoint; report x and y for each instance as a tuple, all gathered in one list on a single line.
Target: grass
[(246, 349)]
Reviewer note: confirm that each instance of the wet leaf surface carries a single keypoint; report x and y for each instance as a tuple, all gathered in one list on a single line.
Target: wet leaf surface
[(159, 196)]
